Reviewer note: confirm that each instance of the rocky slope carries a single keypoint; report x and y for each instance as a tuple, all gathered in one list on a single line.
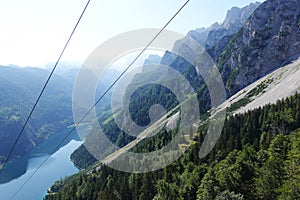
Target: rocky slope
[(267, 41), (250, 54), (280, 84)]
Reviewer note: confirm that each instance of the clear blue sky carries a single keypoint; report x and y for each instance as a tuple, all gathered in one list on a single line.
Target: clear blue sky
[(33, 32)]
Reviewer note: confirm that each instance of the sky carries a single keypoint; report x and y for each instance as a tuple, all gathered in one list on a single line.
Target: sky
[(33, 32)]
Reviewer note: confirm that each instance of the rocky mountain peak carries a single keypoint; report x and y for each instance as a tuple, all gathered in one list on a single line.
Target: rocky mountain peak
[(234, 20), (232, 17), (268, 40), (238, 16)]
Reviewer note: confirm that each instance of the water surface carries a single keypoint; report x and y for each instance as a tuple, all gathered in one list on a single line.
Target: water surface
[(57, 166)]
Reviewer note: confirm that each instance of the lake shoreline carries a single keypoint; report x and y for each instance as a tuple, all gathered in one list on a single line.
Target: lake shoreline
[(58, 165)]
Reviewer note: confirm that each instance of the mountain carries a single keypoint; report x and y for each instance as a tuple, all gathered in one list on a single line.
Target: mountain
[(267, 41), (234, 20), (63, 68), (255, 147), (279, 84), (19, 88), (152, 59), (257, 155), (242, 58)]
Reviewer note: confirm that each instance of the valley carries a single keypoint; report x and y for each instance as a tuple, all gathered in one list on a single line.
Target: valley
[(256, 155), (262, 86)]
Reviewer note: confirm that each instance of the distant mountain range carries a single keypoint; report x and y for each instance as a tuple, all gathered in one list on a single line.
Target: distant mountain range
[(19, 88)]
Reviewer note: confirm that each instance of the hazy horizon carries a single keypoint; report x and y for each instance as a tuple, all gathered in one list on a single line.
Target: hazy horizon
[(35, 32)]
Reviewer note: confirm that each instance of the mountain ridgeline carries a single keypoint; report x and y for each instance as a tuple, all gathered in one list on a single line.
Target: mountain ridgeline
[(250, 48), (233, 22), (257, 156), (19, 88), (143, 99), (267, 41)]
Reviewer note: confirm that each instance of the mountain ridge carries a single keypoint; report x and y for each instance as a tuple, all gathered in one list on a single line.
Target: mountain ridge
[(234, 57), (234, 20), (18, 90), (267, 41)]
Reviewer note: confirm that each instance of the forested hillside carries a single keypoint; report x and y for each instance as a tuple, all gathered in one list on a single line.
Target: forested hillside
[(19, 88), (257, 157), (264, 35), (145, 97)]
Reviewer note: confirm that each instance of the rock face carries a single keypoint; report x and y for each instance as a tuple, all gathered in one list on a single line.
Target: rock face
[(234, 20), (267, 41), (214, 39)]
